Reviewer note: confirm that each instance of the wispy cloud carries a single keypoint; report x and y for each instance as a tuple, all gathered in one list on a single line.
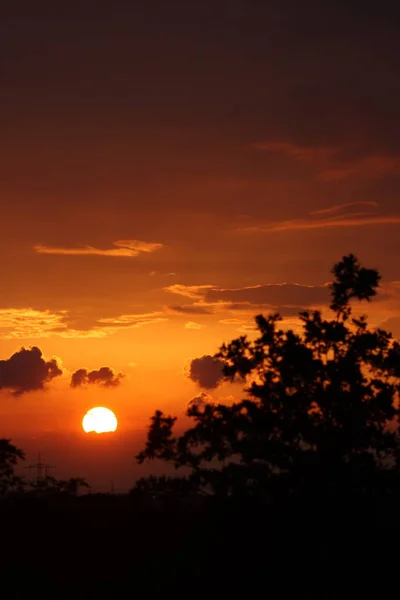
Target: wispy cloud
[(233, 321), (340, 207), (336, 216), (194, 292), (190, 309), (131, 321), (286, 297), (306, 154), (124, 248), (366, 167), (343, 221), (192, 325), (334, 163), (29, 323)]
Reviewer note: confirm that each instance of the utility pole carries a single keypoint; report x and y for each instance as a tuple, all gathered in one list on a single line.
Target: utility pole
[(40, 469)]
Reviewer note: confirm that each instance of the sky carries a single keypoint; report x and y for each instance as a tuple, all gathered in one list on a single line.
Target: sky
[(167, 171)]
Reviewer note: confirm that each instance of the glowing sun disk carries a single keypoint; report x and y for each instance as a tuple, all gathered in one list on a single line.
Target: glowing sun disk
[(100, 420)]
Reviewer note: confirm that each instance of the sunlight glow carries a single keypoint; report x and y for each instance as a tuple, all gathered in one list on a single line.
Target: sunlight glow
[(99, 420)]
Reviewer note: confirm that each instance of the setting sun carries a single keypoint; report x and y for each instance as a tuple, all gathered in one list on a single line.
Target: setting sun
[(99, 420)]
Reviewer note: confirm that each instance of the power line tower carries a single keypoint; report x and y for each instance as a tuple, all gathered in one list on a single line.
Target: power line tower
[(41, 468)]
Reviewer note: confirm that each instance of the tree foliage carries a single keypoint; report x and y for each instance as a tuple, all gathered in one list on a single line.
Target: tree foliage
[(49, 485), (321, 411), (10, 455)]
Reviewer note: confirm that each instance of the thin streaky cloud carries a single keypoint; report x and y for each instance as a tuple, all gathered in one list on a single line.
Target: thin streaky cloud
[(365, 167), (264, 285), (332, 162), (138, 245), (339, 207), (189, 309), (132, 320), (124, 248), (308, 224), (306, 154), (195, 292), (84, 251)]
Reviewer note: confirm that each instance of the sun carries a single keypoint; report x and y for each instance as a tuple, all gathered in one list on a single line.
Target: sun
[(100, 420)]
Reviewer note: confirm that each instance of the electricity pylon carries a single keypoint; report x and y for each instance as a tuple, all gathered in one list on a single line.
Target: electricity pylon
[(40, 469)]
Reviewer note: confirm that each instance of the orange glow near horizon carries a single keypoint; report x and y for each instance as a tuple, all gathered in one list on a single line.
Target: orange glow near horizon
[(99, 420)]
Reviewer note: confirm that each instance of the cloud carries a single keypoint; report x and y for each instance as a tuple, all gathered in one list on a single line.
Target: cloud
[(29, 323), (273, 295), (233, 321), (139, 246), (104, 376), (262, 296), (131, 321), (334, 162), (221, 306), (332, 217), (191, 309), (199, 403), (367, 167), (27, 371), (340, 207), (242, 325), (344, 221), (124, 248), (192, 325), (305, 154), (206, 371), (190, 291)]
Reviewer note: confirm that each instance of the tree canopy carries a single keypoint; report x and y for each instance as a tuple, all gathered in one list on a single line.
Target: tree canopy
[(320, 413), (10, 455)]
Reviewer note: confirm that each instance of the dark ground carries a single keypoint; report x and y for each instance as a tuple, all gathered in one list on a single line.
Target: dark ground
[(114, 547)]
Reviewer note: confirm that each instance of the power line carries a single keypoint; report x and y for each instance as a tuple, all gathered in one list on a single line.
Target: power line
[(40, 469)]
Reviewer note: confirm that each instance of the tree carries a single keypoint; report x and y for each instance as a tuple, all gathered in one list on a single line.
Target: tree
[(72, 486), (49, 485), (9, 457), (321, 413)]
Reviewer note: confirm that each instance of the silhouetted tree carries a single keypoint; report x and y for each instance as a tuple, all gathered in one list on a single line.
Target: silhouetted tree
[(321, 412), (9, 457), (51, 485), (73, 485)]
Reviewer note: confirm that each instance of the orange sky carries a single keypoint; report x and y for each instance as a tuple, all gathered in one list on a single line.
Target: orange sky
[(165, 168)]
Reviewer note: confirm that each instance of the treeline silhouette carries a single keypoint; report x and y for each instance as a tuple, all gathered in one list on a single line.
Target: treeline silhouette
[(293, 491)]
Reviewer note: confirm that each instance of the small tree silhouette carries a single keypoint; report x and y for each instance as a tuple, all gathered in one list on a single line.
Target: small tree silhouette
[(9, 457), (321, 413), (49, 485)]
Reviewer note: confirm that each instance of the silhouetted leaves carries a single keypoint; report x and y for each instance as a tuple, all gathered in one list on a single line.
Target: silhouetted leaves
[(352, 281), (10, 455), (321, 411)]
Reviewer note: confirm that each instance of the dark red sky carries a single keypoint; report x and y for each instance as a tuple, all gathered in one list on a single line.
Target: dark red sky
[(149, 148)]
